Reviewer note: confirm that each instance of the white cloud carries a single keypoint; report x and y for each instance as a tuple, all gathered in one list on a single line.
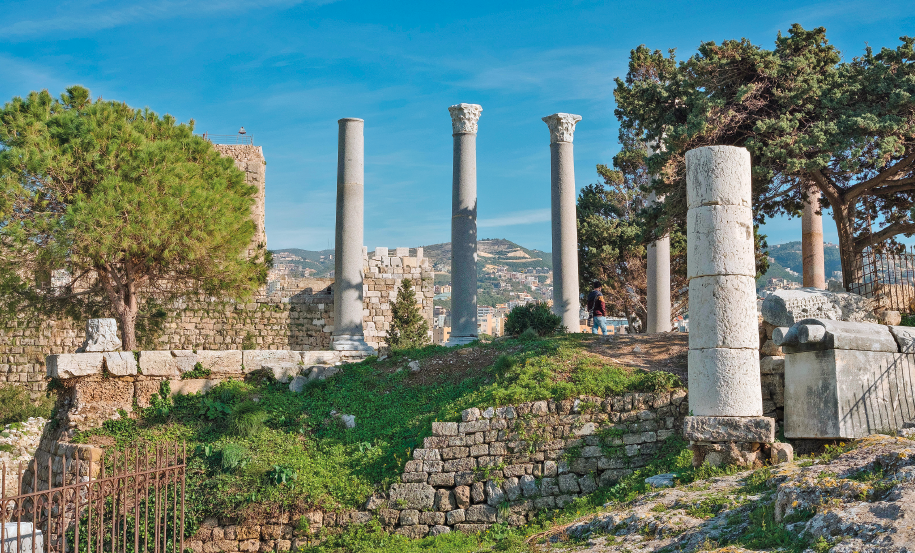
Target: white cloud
[(516, 218), (110, 14)]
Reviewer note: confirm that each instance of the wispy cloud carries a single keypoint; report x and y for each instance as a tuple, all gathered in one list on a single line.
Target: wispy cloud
[(111, 14), (515, 218)]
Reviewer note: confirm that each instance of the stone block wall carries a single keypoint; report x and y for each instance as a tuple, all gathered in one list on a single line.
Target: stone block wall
[(499, 465), (299, 319), (250, 159)]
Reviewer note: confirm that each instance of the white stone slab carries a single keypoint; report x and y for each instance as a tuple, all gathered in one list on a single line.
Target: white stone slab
[(221, 361), (718, 312), (158, 363), (255, 359), (120, 363), (18, 538), (718, 175), (724, 382), (847, 394), (71, 365), (720, 241)]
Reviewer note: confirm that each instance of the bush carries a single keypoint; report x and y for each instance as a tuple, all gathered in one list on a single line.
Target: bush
[(536, 316), (16, 406), (408, 328)]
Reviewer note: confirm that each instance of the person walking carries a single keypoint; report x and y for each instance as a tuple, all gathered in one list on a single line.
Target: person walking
[(597, 309)]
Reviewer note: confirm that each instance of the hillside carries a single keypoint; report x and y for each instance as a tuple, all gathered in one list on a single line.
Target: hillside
[(789, 255), (777, 270), (489, 252)]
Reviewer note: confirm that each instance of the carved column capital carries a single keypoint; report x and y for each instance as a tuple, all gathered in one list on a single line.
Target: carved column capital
[(464, 118), (562, 126)]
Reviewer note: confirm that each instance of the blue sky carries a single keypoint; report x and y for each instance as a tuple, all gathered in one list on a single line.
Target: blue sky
[(287, 70)]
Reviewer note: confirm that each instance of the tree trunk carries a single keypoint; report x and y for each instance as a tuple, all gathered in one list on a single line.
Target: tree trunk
[(128, 320), (852, 271), (124, 301)]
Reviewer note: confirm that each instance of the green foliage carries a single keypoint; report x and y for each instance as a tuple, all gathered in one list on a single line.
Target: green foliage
[(247, 419), (408, 327), (806, 116), (281, 475), (234, 457), (536, 316), (248, 342), (122, 199), (17, 406), (199, 371)]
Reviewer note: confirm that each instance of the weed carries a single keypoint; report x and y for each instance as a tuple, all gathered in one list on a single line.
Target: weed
[(234, 457), (16, 405), (199, 371)]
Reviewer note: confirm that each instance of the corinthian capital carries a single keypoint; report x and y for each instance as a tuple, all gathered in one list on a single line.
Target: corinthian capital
[(562, 126), (464, 118)]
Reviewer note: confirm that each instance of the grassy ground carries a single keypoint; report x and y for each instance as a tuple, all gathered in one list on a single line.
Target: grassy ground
[(16, 406), (256, 449)]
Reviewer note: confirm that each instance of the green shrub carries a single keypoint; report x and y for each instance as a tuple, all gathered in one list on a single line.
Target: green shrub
[(536, 316), (198, 372), (408, 328), (234, 457), (16, 406), (247, 419)]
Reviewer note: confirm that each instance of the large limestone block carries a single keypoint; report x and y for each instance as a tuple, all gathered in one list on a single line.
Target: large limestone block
[(847, 394), (729, 429), (786, 307), (167, 363), (724, 382), (120, 363), (309, 358), (720, 241), (412, 496), (905, 338), (255, 359), (825, 334), (221, 362), (192, 385), (101, 335), (72, 365), (718, 175), (719, 317)]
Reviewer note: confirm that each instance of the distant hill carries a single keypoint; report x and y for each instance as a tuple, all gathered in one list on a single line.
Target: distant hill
[(776, 270), (789, 255), (489, 252)]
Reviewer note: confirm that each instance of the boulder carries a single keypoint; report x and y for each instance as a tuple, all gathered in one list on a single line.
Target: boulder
[(786, 307), (412, 496), (101, 335)]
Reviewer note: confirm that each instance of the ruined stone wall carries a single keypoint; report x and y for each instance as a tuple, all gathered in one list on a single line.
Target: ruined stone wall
[(300, 318), (250, 159), (499, 465)]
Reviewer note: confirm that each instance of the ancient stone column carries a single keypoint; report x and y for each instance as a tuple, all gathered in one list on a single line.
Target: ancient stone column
[(348, 331), (566, 302), (464, 119), (725, 397), (658, 292), (812, 241)]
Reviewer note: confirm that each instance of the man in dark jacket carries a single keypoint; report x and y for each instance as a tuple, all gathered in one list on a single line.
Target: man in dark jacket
[(597, 308)]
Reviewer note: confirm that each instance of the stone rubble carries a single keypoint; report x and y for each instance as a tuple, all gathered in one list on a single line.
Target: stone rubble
[(21, 439)]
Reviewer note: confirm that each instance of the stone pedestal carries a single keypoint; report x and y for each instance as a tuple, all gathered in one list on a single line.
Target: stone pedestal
[(464, 119), (725, 396), (566, 302), (348, 332), (812, 241), (101, 335)]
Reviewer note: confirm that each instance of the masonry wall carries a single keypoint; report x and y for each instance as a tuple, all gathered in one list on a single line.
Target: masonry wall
[(298, 317), (250, 159)]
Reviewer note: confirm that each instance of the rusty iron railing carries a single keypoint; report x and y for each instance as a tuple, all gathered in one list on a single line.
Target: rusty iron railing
[(229, 138), (888, 277), (131, 502)]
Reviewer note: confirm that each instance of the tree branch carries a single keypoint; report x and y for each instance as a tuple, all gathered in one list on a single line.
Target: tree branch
[(862, 187), (888, 232)]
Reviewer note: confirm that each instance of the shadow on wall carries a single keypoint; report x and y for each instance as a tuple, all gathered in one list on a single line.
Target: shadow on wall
[(884, 399)]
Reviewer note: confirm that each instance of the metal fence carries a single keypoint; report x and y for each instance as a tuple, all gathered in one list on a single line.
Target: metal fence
[(229, 138), (131, 502), (888, 277)]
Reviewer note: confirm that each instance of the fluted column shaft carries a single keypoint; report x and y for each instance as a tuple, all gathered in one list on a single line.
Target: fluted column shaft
[(566, 302), (464, 119), (348, 272)]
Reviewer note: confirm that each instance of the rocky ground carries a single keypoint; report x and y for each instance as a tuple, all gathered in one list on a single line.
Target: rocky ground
[(18, 442), (857, 501)]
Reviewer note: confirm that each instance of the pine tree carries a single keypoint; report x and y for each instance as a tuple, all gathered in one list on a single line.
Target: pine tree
[(129, 204), (408, 328)]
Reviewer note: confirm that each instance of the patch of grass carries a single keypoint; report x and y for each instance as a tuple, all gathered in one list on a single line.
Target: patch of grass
[(17, 406), (709, 506), (300, 458)]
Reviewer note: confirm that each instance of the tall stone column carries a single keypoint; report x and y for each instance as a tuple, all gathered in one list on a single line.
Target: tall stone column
[(348, 331), (658, 292), (812, 241), (725, 397), (566, 302), (464, 119)]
